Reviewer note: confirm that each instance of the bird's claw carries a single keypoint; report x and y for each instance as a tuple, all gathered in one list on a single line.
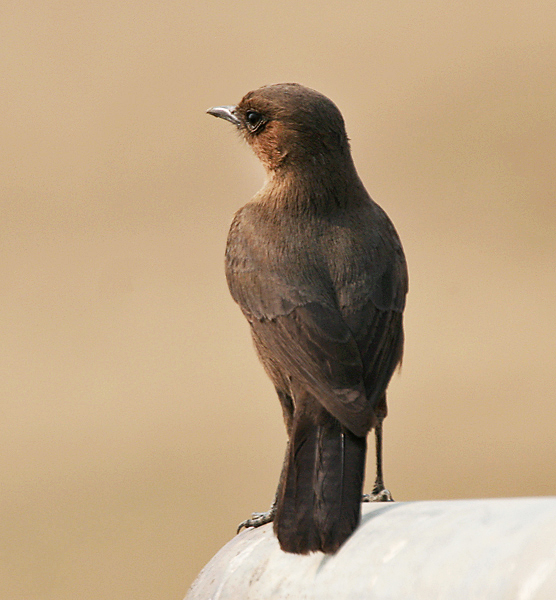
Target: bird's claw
[(257, 519), (380, 495)]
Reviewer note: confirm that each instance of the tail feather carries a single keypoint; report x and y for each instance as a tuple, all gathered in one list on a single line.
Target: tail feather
[(319, 503)]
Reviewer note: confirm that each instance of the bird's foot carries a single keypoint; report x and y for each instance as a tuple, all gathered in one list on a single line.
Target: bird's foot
[(378, 495), (258, 519)]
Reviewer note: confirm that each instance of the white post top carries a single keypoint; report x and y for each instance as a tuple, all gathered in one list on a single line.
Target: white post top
[(497, 549)]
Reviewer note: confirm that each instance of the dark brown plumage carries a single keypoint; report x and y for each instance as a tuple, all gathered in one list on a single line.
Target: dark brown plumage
[(319, 272)]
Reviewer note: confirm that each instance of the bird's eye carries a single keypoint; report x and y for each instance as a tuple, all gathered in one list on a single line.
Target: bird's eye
[(254, 120)]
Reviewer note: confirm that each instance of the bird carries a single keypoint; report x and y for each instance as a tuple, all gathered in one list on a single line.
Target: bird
[(319, 272)]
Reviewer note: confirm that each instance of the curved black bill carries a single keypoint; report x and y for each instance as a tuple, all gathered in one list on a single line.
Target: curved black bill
[(225, 112)]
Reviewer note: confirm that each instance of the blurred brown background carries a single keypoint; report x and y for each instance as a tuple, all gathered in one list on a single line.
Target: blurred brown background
[(137, 428)]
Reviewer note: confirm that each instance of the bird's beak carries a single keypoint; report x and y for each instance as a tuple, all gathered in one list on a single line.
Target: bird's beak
[(225, 112)]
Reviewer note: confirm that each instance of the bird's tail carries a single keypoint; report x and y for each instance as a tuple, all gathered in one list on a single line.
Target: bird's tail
[(319, 501)]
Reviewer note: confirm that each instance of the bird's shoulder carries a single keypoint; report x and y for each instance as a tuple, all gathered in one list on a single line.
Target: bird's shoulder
[(366, 259), (344, 258), (273, 264), (261, 233)]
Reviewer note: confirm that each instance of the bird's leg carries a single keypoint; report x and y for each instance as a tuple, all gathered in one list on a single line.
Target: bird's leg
[(379, 493), (257, 519)]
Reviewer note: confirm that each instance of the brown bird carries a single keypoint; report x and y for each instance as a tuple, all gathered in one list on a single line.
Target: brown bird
[(318, 270)]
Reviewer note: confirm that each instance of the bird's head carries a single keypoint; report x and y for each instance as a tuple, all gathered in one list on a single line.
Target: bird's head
[(289, 126)]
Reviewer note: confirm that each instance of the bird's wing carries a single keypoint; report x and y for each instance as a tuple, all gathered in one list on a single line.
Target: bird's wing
[(379, 337), (315, 348)]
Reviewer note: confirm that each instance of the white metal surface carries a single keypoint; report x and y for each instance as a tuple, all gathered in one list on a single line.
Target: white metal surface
[(497, 549)]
